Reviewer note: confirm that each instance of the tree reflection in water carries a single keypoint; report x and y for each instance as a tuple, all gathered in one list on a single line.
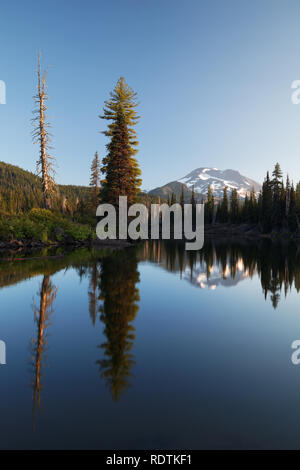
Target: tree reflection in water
[(113, 291), (228, 262), (119, 298), (42, 313)]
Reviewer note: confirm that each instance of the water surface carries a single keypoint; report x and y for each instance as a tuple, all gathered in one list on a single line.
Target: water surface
[(152, 348)]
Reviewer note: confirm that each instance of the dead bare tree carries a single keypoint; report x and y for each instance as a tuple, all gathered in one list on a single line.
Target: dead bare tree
[(42, 137)]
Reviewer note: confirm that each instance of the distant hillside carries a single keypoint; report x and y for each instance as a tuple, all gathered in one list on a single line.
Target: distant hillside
[(170, 188), (21, 190)]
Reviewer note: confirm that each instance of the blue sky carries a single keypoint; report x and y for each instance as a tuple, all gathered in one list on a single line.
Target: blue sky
[(213, 79)]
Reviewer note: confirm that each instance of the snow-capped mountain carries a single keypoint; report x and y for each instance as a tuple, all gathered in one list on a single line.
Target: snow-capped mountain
[(202, 177), (218, 276)]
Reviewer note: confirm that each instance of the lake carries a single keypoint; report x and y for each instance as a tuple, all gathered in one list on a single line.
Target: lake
[(151, 347)]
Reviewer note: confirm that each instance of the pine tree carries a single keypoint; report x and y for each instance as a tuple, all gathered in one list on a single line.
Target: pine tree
[(224, 206), (173, 199), (234, 206), (119, 166), (95, 180), (283, 208), (287, 195), (276, 194), (41, 136), (266, 204), (193, 199), (218, 212), (259, 206), (245, 209), (209, 209), (292, 215), (182, 197), (277, 173), (253, 215)]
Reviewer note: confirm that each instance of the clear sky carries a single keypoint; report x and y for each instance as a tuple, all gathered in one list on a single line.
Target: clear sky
[(213, 79)]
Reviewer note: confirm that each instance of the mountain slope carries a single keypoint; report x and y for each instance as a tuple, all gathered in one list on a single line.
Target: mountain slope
[(168, 189), (21, 190), (202, 177)]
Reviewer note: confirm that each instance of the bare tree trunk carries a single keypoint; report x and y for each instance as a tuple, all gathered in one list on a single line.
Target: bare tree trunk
[(42, 137)]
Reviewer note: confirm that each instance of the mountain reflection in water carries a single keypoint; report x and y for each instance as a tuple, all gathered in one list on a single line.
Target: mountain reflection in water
[(112, 289), (226, 264)]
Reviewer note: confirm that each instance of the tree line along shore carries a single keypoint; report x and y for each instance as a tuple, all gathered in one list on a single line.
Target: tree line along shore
[(35, 209)]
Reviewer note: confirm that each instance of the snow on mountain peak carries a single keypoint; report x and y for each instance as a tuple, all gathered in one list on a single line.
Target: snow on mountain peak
[(202, 177)]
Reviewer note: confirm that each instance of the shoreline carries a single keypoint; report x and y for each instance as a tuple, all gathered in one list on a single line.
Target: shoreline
[(217, 231), (34, 244), (248, 231)]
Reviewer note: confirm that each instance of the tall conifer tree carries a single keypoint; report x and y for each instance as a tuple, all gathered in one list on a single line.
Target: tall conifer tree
[(277, 195), (292, 216), (193, 199), (267, 204), (234, 206), (119, 166), (95, 180), (224, 206), (209, 205), (182, 197)]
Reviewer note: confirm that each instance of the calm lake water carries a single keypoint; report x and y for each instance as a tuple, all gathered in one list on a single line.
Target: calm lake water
[(151, 348)]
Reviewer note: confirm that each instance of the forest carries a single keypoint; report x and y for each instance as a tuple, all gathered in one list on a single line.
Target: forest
[(53, 212), (275, 208)]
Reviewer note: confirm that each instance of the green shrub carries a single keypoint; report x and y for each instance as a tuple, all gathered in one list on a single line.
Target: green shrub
[(40, 225)]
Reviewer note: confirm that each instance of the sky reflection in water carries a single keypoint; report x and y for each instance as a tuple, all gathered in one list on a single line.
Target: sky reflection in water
[(150, 348)]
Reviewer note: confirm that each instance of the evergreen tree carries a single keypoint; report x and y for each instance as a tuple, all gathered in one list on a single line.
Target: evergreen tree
[(276, 184), (95, 180), (209, 209), (277, 174), (182, 197), (259, 206), (234, 206), (283, 207), (193, 203), (287, 195), (297, 198), (245, 209), (224, 213), (292, 216), (218, 212), (253, 215), (193, 199), (173, 199), (119, 166), (266, 205)]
